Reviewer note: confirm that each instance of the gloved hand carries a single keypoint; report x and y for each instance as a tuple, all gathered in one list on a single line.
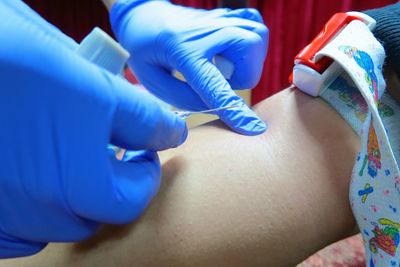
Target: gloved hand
[(163, 37), (58, 113)]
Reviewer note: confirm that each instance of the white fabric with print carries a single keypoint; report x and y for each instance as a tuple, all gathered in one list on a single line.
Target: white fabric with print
[(375, 183)]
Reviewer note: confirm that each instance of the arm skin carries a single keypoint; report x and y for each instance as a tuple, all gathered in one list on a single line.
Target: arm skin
[(109, 3), (232, 200)]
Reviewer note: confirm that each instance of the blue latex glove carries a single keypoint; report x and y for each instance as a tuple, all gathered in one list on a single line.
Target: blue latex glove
[(162, 37), (58, 113)]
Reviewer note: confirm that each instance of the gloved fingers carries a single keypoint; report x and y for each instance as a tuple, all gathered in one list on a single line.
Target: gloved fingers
[(137, 180), (165, 86), (134, 118), (245, 13), (208, 82), (140, 122), (245, 49), (246, 24), (248, 55), (121, 193), (113, 109), (19, 248)]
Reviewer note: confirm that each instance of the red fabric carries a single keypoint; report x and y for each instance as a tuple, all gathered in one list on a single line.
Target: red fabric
[(345, 253), (292, 24), (207, 4), (76, 18)]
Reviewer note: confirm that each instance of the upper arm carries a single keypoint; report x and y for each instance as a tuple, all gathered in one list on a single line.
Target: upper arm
[(233, 200), (108, 3)]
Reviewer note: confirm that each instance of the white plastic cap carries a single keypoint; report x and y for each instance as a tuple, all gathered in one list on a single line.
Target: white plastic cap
[(99, 48), (312, 82), (370, 22)]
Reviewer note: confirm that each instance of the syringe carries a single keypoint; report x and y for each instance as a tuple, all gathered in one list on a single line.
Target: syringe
[(186, 114)]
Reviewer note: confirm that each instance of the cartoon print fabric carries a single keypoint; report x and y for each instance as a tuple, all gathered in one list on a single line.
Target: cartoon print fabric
[(345, 99), (358, 94)]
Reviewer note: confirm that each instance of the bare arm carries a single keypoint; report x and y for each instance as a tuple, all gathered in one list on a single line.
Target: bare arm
[(109, 3), (232, 200)]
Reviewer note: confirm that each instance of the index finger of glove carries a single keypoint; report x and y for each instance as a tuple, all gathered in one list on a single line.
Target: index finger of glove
[(205, 78)]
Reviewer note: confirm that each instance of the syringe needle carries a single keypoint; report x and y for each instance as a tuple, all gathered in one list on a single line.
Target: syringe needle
[(186, 114)]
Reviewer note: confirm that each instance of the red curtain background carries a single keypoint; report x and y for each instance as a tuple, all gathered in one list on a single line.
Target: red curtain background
[(292, 24)]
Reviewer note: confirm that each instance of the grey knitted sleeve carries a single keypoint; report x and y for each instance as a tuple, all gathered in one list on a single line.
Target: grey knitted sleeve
[(387, 31)]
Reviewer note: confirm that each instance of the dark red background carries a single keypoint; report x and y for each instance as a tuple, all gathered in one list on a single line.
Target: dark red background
[(292, 24)]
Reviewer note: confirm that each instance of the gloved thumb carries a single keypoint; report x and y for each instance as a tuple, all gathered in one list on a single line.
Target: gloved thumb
[(11, 247), (141, 122), (122, 191)]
